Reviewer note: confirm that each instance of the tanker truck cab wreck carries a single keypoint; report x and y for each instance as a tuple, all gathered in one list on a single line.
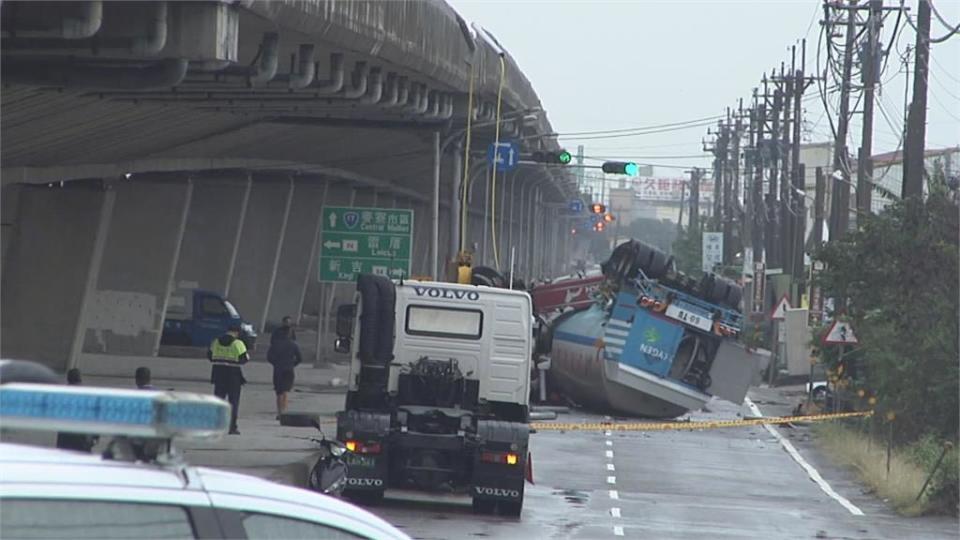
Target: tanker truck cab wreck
[(438, 390), (653, 343)]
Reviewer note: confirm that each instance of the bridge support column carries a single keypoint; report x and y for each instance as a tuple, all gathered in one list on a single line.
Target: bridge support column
[(298, 250), (211, 239), (52, 261), (260, 239), (125, 311)]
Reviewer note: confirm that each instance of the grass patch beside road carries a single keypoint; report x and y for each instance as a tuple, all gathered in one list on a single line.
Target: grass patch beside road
[(852, 448)]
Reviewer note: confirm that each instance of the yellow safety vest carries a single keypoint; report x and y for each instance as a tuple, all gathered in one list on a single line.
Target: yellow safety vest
[(227, 353)]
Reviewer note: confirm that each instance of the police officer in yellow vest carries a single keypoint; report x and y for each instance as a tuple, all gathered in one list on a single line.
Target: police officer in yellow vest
[(228, 353)]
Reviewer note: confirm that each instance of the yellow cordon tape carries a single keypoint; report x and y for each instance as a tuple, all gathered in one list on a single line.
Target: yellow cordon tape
[(692, 426)]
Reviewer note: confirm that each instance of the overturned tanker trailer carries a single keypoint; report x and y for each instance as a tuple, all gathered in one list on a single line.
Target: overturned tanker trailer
[(653, 342)]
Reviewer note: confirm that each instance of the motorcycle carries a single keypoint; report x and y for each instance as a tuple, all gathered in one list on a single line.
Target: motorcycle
[(329, 473)]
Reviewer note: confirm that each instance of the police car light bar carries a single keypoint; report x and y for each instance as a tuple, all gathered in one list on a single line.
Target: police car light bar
[(109, 411)]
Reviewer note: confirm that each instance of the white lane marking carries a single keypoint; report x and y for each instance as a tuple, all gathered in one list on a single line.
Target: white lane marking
[(618, 531), (609, 454), (609, 443), (611, 479), (614, 495), (811, 472), (610, 467), (615, 340), (617, 332), (607, 418), (615, 512), (607, 433)]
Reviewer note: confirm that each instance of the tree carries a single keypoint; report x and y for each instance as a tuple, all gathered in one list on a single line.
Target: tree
[(688, 252), (899, 277)]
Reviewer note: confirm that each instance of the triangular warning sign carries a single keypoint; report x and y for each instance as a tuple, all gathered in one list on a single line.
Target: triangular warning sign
[(841, 333), (780, 311)]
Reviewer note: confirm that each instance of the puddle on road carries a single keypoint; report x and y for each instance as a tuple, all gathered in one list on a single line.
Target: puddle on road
[(573, 496)]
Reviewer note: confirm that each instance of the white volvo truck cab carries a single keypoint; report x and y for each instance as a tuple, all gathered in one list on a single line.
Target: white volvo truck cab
[(438, 390)]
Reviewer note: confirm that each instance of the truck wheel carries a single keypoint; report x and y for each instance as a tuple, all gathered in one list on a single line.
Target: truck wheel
[(483, 506), (365, 498), (511, 508)]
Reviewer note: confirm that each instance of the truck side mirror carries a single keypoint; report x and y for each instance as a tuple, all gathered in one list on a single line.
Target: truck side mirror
[(346, 314), (342, 345)]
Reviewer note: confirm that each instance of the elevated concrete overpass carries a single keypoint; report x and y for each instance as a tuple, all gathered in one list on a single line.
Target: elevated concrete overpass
[(149, 145)]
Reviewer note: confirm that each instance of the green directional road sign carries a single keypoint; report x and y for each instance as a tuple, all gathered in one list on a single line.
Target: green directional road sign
[(365, 240)]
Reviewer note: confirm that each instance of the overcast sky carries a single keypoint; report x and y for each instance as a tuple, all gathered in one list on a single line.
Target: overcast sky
[(606, 65)]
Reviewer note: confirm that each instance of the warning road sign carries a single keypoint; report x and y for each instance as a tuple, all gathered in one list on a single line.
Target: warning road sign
[(841, 333), (780, 312)]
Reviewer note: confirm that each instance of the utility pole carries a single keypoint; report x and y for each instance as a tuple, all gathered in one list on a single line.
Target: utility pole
[(869, 68), (580, 168), (732, 161), (694, 219), (798, 217), (757, 188), (683, 189), (772, 235), (818, 200), (717, 175), (726, 225), (841, 199), (749, 159), (786, 164), (913, 148)]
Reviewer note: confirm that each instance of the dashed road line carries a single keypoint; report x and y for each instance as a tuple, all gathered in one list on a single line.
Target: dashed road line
[(610, 467), (607, 433), (611, 479), (618, 531), (609, 443), (609, 454), (615, 512), (614, 495)]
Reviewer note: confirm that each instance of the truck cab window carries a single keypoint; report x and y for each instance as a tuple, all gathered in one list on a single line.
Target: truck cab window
[(38, 518), (444, 322), (213, 307)]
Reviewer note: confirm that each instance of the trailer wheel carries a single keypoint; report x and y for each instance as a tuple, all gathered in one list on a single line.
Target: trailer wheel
[(483, 506)]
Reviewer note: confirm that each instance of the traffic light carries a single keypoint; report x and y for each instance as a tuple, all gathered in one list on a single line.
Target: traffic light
[(608, 217), (561, 157), (599, 226), (597, 208), (628, 168)]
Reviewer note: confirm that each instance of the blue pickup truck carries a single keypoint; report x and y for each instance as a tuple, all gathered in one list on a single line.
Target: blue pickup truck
[(196, 317)]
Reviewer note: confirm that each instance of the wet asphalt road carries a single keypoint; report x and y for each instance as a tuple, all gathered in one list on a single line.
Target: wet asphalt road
[(725, 483)]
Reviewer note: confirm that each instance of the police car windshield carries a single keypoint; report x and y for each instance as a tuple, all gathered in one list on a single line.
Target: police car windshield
[(232, 310)]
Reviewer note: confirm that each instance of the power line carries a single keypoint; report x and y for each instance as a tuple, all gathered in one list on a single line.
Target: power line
[(651, 132), (710, 119), (951, 29)]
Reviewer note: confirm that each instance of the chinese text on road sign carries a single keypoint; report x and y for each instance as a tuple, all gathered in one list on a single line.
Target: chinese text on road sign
[(712, 250), (365, 241)]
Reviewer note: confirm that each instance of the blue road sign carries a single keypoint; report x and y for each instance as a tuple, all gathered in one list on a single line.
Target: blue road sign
[(576, 206), (504, 156)]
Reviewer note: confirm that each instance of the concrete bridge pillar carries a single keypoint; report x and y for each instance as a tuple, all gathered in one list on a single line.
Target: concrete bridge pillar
[(212, 236), (52, 264), (261, 235), (298, 250), (125, 311)]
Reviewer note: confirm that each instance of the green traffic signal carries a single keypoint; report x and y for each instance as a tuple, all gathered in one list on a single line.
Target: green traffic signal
[(562, 157), (621, 167)]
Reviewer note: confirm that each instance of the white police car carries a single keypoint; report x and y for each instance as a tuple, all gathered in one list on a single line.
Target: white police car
[(140, 488)]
